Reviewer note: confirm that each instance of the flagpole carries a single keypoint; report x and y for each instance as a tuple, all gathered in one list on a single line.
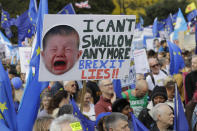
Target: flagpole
[(82, 96)]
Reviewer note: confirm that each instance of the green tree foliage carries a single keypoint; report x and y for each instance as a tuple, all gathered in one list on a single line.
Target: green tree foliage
[(162, 9)]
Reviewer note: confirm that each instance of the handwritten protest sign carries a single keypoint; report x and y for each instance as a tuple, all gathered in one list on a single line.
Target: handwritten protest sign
[(141, 62), (2, 51), (25, 56), (104, 47)]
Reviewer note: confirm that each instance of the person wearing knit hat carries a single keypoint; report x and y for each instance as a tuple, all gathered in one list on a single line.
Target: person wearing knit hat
[(123, 106), (159, 95)]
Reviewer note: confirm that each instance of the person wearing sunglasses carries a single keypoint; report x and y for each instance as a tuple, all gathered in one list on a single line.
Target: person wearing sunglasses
[(156, 76)]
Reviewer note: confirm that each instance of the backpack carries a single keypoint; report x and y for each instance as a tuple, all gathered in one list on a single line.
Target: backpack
[(152, 78)]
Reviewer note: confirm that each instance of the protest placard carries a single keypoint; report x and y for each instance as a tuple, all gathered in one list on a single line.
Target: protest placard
[(25, 56), (104, 47), (2, 51), (131, 79), (141, 62)]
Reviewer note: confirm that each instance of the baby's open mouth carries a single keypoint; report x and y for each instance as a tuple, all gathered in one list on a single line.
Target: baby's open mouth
[(59, 65)]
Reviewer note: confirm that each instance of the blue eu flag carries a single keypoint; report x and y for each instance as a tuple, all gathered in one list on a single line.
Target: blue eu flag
[(7, 111), (117, 88), (137, 125), (24, 26), (87, 125), (31, 97), (176, 60), (192, 15), (180, 121), (32, 11), (68, 9), (169, 25)]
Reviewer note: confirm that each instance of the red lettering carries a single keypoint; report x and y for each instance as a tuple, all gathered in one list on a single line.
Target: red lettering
[(117, 71), (83, 77), (106, 71), (92, 73), (98, 76)]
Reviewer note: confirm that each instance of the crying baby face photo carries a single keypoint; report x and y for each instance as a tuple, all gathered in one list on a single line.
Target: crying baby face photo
[(60, 49)]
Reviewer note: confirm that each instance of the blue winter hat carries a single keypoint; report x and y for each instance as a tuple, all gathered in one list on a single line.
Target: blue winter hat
[(17, 82), (100, 116)]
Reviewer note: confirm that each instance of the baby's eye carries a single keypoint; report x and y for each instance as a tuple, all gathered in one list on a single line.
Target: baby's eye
[(68, 49)]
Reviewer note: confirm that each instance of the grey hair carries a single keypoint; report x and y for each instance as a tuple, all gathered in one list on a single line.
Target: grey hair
[(113, 118), (65, 119), (157, 110)]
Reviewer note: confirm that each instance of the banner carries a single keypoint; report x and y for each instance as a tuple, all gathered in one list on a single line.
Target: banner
[(85, 47), (141, 62), (25, 56)]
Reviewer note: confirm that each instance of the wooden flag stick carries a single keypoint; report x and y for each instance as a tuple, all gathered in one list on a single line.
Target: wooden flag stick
[(82, 96)]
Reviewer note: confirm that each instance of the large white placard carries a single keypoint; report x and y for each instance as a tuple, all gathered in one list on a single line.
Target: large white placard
[(141, 62), (25, 56), (104, 47)]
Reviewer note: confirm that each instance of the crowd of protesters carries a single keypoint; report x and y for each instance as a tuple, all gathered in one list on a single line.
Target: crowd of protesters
[(151, 101)]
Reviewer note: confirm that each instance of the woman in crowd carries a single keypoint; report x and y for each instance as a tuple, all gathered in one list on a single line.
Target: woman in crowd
[(88, 106)]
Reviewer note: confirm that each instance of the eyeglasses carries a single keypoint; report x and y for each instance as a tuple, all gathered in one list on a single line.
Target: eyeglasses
[(106, 85), (153, 66)]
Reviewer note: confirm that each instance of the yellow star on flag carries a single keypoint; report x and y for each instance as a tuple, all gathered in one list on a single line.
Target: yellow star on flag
[(38, 51), (3, 107), (1, 117), (174, 53), (179, 53), (29, 30)]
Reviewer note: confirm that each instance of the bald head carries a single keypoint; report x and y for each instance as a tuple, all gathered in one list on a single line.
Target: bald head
[(141, 88)]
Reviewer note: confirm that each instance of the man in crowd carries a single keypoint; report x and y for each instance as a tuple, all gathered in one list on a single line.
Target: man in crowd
[(116, 122), (70, 87), (107, 98), (159, 95), (163, 115), (191, 79), (137, 97), (156, 76)]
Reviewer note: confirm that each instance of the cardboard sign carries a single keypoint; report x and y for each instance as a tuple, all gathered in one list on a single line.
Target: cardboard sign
[(104, 43), (141, 62), (25, 56)]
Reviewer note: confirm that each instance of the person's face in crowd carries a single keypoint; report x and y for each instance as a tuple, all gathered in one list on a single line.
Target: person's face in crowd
[(154, 66), (126, 111), (18, 68), (159, 56), (157, 44), (141, 92), (121, 126), (71, 87), (167, 116), (158, 99), (194, 64), (46, 100), (61, 53), (170, 92), (87, 98), (107, 87), (67, 127)]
